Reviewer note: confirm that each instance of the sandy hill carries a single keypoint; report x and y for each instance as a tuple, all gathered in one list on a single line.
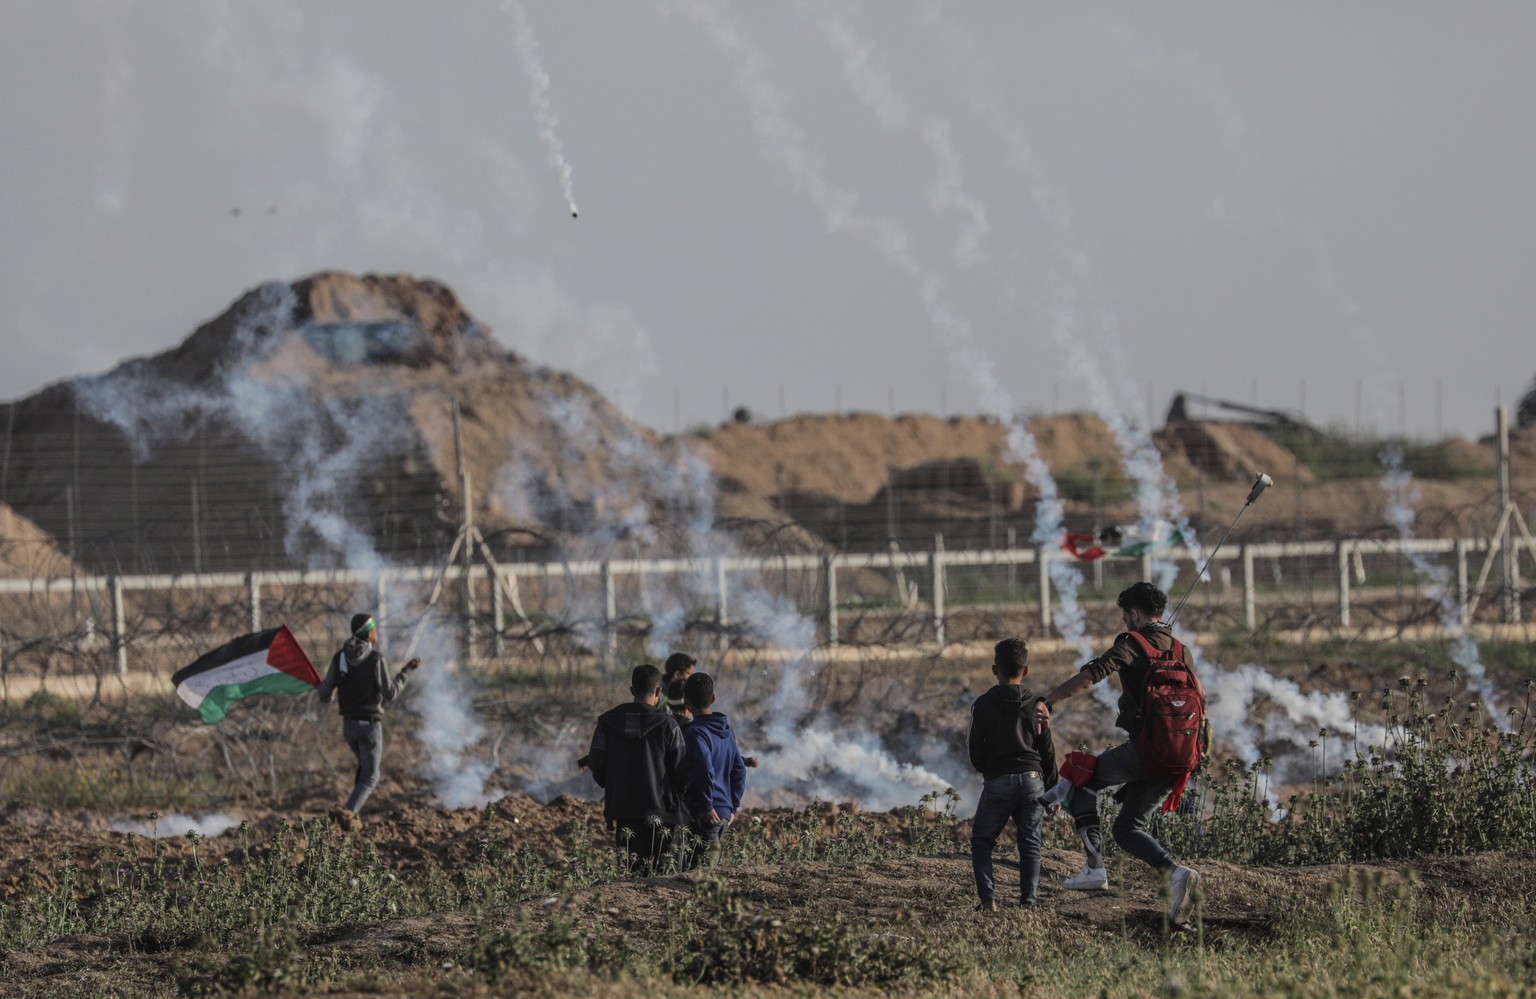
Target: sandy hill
[(859, 479), (26, 550), (311, 424)]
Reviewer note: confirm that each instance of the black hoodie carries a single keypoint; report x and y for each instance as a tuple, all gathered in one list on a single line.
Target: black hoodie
[(1003, 739), (637, 759), (359, 677)]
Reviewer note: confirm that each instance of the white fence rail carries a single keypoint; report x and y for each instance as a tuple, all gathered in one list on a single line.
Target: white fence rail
[(721, 578)]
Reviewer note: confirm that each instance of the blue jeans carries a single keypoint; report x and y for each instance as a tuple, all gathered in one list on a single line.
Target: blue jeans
[(367, 741), (1142, 793), (1016, 797), (704, 843)]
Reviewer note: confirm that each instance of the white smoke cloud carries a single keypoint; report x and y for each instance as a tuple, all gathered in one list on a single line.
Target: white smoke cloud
[(1073, 310), (784, 143), (321, 444), (1402, 496), (662, 501), (872, 83)]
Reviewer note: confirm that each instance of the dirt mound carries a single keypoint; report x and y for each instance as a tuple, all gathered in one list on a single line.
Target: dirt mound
[(26, 550), (1234, 451), (334, 393), (311, 423), (848, 457)]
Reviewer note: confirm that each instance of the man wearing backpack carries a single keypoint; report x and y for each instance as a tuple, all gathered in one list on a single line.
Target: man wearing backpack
[(1162, 706)]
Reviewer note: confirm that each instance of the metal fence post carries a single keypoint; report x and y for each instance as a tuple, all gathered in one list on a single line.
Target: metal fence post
[(498, 615), (253, 599), (722, 609), (937, 557), (1461, 581), (119, 626), (379, 612), (1045, 588), (610, 611), (1342, 547), (829, 566), (1250, 607)]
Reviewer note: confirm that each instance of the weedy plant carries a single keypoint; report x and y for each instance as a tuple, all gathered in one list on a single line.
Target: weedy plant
[(1445, 782)]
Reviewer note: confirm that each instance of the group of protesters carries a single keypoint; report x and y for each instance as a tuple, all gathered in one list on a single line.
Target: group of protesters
[(673, 775), (1161, 707), (671, 772)]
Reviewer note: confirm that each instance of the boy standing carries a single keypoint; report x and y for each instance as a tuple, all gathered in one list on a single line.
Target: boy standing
[(716, 773), (637, 759), (1017, 764)]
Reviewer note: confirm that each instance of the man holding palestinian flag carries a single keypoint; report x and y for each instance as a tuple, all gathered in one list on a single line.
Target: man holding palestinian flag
[(359, 678)]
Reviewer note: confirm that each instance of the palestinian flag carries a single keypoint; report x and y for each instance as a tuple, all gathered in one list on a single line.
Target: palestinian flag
[(1088, 548), (268, 662)]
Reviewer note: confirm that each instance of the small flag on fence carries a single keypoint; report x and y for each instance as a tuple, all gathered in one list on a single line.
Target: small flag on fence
[(1087, 547), (268, 662)]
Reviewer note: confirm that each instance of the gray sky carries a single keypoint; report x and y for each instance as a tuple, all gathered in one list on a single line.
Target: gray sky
[(1261, 201)]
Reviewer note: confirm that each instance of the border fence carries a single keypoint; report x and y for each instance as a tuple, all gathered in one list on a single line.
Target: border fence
[(113, 623)]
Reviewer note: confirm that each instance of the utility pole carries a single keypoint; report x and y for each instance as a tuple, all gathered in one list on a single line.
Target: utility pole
[(1503, 544), (466, 543), (467, 527), (1509, 570)]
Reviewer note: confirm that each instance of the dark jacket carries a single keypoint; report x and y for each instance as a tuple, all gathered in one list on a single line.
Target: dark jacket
[(637, 759), (1126, 658), (359, 677), (1003, 739), (716, 773)]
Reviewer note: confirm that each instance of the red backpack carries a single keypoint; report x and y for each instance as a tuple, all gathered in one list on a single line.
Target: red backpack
[(1172, 712)]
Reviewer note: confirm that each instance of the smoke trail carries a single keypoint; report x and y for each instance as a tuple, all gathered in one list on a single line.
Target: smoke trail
[(645, 486), (321, 442), (449, 728), (1160, 514), (1157, 497), (872, 84), (1402, 496), (783, 142), (528, 53)]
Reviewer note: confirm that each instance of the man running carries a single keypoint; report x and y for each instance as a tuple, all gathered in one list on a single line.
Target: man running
[(1144, 787)]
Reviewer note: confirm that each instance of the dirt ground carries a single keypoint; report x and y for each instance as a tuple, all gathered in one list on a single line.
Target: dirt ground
[(913, 703), (935, 892)]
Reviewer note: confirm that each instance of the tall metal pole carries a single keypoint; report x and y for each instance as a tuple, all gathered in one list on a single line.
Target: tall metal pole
[(466, 527), (1508, 585)]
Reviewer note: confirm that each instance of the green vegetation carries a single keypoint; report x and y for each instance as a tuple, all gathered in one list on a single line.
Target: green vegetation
[(866, 904), (1334, 454), (1087, 485)]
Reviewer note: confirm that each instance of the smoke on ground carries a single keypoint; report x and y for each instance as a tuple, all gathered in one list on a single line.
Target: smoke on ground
[(176, 825)]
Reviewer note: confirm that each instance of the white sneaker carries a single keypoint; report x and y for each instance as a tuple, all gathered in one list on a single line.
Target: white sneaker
[(1087, 879), (1181, 888)]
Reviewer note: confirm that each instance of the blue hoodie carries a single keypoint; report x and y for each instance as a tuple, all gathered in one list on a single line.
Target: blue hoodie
[(716, 773)]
